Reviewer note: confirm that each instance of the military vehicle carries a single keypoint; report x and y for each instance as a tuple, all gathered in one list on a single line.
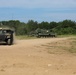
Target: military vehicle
[(6, 35), (45, 33)]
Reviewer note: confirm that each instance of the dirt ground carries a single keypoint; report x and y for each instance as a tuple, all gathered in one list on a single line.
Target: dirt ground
[(32, 57)]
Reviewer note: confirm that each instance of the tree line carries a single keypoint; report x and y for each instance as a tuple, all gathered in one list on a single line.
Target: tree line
[(21, 28)]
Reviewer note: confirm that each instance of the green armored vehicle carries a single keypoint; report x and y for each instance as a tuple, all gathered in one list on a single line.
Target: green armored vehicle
[(45, 33), (6, 35)]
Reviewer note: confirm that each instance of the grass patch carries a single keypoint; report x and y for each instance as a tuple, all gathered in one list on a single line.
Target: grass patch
[(20, 37), (67, 35), (63, 46)]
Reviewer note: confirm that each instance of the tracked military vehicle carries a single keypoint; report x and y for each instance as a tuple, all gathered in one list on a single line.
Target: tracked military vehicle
[(45, 33), (6, 35)]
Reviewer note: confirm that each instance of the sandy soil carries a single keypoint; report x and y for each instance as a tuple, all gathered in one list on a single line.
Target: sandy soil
[(31, 57)]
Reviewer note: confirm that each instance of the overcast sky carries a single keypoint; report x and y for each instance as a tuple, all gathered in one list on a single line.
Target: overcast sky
[(38, 10)]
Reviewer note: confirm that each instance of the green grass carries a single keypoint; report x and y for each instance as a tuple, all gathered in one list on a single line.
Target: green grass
[(67, 35), (20, 37), (32, 37)]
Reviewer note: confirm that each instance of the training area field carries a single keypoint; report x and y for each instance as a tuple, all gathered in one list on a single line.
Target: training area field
[(40, 56)]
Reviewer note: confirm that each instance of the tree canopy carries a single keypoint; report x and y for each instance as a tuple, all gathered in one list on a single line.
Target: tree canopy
[(21, 28)]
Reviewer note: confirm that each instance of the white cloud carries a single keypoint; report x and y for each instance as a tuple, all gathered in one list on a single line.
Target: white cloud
[(38, 3)]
